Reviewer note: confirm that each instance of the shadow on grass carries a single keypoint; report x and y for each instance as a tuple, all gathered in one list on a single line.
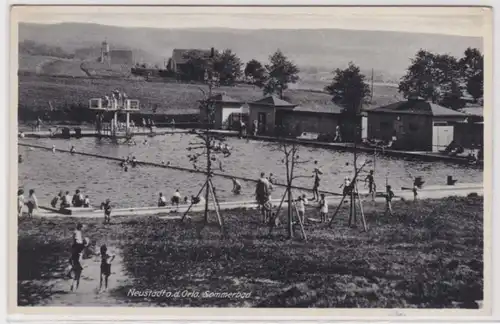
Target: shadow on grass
[(40, 260)]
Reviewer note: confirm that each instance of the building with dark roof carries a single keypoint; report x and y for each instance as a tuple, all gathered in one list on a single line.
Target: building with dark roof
[(178, 59), (416, 124)]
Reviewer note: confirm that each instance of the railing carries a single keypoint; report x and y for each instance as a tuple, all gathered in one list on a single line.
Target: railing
[(114, 104)]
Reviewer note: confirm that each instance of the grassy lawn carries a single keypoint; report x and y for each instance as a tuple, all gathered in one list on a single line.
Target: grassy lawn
[(430, 257), (36, 91)]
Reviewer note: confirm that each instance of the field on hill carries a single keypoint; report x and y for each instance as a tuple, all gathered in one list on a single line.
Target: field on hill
[(425, 257), (36, 91)]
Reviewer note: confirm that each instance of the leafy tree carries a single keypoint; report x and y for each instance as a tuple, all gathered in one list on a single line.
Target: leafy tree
[(228, 66), (433, 77), (255, 72), (349, 89), (472, 66), (196, 64), (280, 72)]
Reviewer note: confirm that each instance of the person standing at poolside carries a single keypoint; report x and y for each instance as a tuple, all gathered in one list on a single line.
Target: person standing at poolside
[(106, 206), (389, 195), (323, 208), (316, 173), (262, 195), (32, 203)]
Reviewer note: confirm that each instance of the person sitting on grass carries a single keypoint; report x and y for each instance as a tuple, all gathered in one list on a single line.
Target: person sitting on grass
[(106, 260), (236, 186), (162, 201), (106, 206), (323, 208)]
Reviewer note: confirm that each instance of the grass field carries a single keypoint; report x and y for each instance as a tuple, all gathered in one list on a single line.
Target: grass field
[(36, 91), (429, 257)]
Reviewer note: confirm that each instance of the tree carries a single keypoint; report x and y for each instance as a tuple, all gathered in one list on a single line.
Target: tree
[(434, 77), (293, 164), (280, 72), (195, 66), (349, 89), (472, 66), (228, 65), (255, 72)]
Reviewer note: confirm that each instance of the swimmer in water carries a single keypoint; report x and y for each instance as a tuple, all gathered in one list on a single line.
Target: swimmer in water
[(53, 149), (236, 187), (226, 151), (72, 150)]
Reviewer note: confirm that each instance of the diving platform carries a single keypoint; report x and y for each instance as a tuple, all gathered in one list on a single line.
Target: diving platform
[(115, 106)]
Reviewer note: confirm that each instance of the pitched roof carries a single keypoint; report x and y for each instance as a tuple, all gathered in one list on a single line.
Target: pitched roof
[(178, 54), (473, 111), (417, 107), (221, 97), (273, 101), (329, 107)]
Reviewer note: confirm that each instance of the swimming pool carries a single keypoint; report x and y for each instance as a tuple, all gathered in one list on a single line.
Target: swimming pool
[(48, 173)]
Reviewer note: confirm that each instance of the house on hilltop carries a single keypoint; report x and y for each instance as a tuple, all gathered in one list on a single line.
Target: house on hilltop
[(417, 125), (178, 60)]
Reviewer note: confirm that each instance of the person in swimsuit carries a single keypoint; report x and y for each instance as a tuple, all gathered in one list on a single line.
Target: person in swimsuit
[(236, 186), (20, 202), (32, 203), (262, 195), (106, 260), (106, 206), (66, 201), (72, 150), (86, 202), (176, 198), (77, 200), (162, 201), (323, 208), (388, 200), (371, 184), (316, 173)]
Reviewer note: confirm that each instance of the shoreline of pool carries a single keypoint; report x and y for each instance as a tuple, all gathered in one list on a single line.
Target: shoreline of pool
[(171, 212)]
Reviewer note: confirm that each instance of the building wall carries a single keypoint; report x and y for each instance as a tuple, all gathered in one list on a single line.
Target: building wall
[(298, 122), (413, 132), (124, 57), (222, 113), (270, 117)]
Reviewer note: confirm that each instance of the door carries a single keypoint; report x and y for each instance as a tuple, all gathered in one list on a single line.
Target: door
[(261, 118), (442, 136)]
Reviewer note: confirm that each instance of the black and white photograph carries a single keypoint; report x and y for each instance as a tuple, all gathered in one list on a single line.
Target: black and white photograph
[(251, 157)]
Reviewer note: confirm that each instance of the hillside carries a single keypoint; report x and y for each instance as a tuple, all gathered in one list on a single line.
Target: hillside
[(322, 51), (36, 91)]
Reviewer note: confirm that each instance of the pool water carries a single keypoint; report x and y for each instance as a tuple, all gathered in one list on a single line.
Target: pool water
[(48, 172)]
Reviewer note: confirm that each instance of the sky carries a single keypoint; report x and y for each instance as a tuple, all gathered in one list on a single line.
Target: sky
[(463, 21)]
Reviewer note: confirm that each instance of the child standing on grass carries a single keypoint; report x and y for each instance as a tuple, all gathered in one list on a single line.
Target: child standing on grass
[(323, 208), (32, 203), (389, 195), (106, 260), (106, 206)]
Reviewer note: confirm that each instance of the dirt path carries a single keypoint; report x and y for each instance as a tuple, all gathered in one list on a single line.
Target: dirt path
[(87, 293)]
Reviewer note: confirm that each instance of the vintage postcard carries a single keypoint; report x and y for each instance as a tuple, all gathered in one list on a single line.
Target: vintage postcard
[(251, 161)]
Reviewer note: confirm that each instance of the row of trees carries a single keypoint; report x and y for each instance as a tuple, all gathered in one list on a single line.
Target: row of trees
[(440, 78), (273, 77)]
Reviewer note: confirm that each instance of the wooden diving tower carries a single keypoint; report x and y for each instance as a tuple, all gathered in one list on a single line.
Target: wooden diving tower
[(114, 107)]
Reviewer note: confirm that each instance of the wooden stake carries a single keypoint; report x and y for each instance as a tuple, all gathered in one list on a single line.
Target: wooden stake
[(191, 205), (216, 206), (361, 209)]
